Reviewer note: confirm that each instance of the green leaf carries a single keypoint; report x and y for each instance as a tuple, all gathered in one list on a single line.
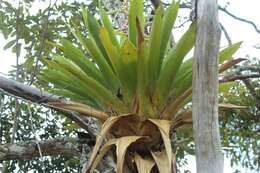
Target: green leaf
[(136, 10), (154, 46), (90, 45), (181, 85), (79, 58), (78, 98), (65, 84), (183, 79), (105, 68), (17, 49), (93, 28), (94, 87), (120, 68), (145, 107), (129, 60), (225, 87), (168, 22), (108, 25), (111, 50), (9, 44), (172, 64), (228, 52)]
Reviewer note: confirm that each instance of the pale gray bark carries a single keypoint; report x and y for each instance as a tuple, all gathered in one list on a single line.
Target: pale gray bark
[(38, 96), (28, 150), (71, 147), (209, 157)]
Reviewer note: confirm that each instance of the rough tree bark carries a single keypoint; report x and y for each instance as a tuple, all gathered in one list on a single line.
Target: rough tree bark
[(209, 157), (38, 96), (28, 150)]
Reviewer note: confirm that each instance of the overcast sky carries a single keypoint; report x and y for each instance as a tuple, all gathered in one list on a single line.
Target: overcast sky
[(238, 31)]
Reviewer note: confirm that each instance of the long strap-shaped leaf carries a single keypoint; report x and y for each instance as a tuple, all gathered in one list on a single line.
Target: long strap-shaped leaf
[(108, 25), (144, 165), (164, 126), (68, 87), (185, 82), (112, 52), (80, 108), (128, 53), (93, 85), (161, 160), (122, 144), (93, 28), (168, 22), (121, 66), (100, 138), (136, 10), (224, 55), (110, 79), (99, 157), (70, 79), (172, 64), (174, 106), (80, 59), (154, 48), (106, 70), (186, 117), (184, 76), (145, 107), (78, 98)]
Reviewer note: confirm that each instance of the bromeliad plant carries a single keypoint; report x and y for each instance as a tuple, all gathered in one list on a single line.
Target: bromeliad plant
[(134, 84)]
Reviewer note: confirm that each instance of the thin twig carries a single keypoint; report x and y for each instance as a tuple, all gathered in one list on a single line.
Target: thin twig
[(42, 42), (226, 34), (183, 5), (240, 19), (16, 113), (36, 140), (238, 77)]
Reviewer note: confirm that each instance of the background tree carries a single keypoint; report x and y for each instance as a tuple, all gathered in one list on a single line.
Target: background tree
[(30, 31)]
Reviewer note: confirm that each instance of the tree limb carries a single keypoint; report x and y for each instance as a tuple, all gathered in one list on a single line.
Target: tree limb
[(37, 96), (231, 78), (184, 5), (52, 147), (28, 150), (226, 34), (240, 19)]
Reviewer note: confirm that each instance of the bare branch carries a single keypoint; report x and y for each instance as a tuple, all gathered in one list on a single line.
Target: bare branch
[(226, 34), (239, 18), (238, 77), (29, 150), (183, 5), (37, 96)]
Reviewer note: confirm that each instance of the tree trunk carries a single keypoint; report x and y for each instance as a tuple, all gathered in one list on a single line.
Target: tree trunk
[(209, 157)]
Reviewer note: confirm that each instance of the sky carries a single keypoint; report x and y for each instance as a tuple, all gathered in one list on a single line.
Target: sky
[(238, 31)]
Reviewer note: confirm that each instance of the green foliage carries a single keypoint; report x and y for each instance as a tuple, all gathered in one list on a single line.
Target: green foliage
[(110, 68), (240, 128)]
